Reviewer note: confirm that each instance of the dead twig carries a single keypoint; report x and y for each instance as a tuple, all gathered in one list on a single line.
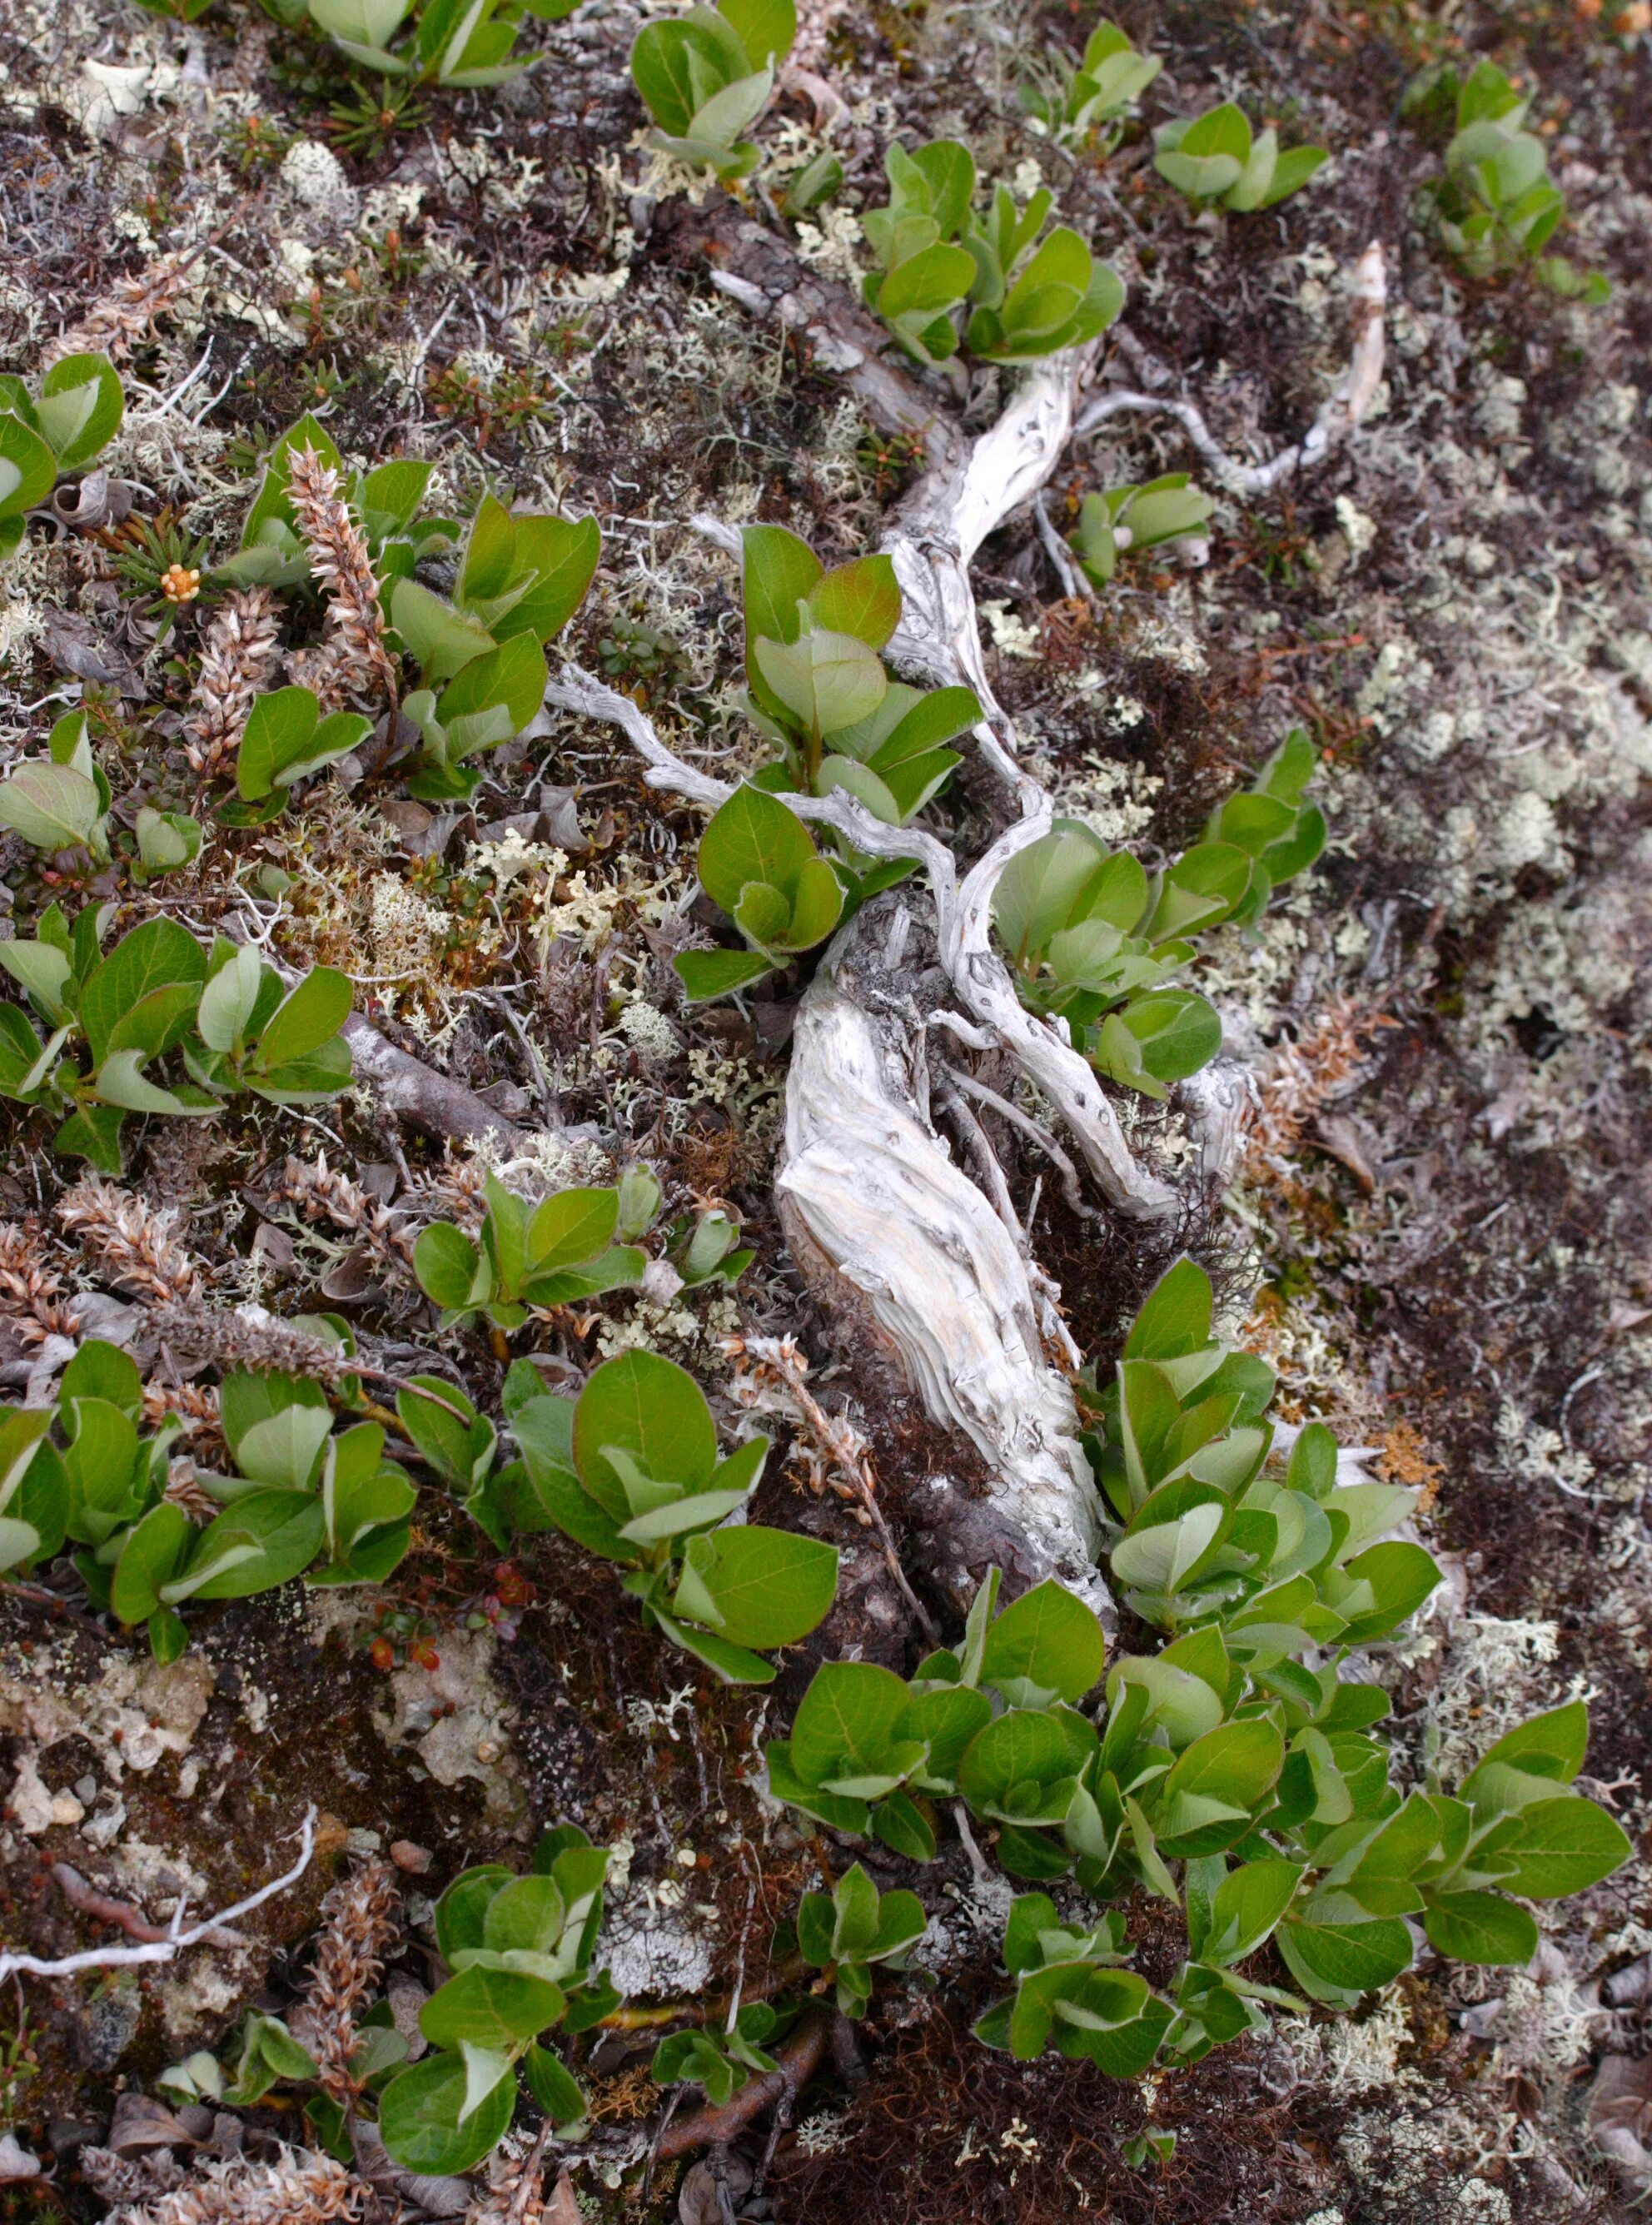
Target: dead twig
[(797, 2061), (175, 1939), (777, 1361)]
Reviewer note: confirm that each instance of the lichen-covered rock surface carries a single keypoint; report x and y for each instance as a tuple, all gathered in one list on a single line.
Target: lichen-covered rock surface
[(1439, 1230)]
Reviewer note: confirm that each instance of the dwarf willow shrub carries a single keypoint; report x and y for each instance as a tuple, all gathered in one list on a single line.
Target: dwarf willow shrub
[(517, 1954), (452, 43), (1144, 517), (1217, 157), (300, 1500), (818, 688), (1233, 1773), (564, 1252), (1497, 207), (630, 1470), (479, 654), (707, 75), (1092, 103), (63, 426), (61, 802), (947, 276), (227, 1015), (1096, 941)]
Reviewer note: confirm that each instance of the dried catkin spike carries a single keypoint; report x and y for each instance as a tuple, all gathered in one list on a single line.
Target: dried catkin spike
[(130, 1243), (32, 1303), (250, 1338), (353, 652), (238, 659), (112, 327), (358, 1921), (1300, 1078), (302, 2189), (323, 1193), (516, 2195)]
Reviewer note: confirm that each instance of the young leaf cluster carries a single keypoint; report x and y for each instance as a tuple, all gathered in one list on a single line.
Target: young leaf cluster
[(1097, 942), (452, 43), (1144, 517), (706, 76), (519, 1950), (1092, 103), (565, 1251), (1497, 206), (61, 802), (818, 688), (846, 1933), (721, 2062), (946, 275), (630, 1470), (300, 1500), (62, 427), (1217, 157), (228, 1016)]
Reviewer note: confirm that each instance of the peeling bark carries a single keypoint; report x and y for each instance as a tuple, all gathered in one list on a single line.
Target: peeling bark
[(918, 1274)]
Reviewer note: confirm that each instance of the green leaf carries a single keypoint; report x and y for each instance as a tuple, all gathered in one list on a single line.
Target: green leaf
[(51, 805), (846, 1722), (440, 638), (445, 1261), (651, 1407), (553, 2086), (418, 2115), (490, 2008), (228, 1001), (148, 1557), (1337, 1962), (511, 676), (780, 571), (753, 837), (768, 1586), (27, 470), (263, 1541), (765, 28), (1481, 1927), (825, 680), (1553, 1744), (862, 599), (1246, 1907), (156, 955), (80, 408), (1019, 1768), (708, 973), (311, 1015), (1049, 1638), (1563, 1846)]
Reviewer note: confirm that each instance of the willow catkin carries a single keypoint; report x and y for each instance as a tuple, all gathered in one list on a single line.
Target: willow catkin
[(354, 648), (239, 654), (358, 1921), (301, 2189), (129, 1244)]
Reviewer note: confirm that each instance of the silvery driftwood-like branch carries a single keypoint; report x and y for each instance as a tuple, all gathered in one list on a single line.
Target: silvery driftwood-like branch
[(913, 1262), (176, 1938)]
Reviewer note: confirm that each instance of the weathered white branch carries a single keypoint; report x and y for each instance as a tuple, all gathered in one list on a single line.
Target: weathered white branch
[(1338, 415), (177, 1938), (963, 917), (918, 1268)]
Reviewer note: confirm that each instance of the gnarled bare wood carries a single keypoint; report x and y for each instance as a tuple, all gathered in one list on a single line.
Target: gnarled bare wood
[(918, 1267)]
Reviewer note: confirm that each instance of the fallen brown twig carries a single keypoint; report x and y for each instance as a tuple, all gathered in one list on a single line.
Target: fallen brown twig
[(799, 2060)]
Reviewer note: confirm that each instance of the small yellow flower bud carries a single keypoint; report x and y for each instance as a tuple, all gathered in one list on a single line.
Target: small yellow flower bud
[(179, 584)]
